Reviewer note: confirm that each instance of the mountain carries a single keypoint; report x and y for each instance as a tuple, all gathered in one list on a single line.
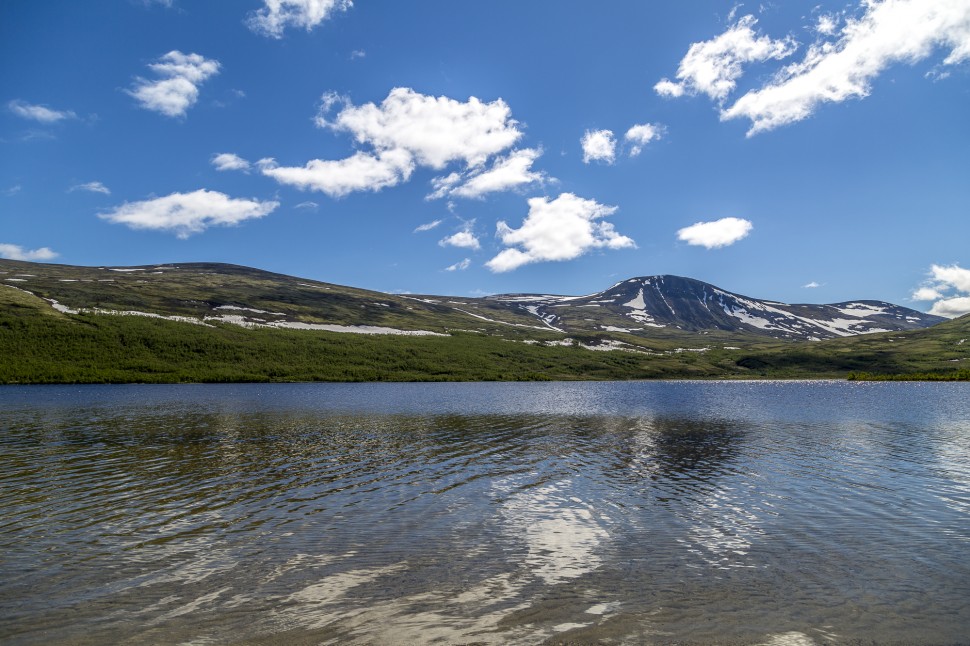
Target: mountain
[(204, 322), (647, 307), (639, 305)]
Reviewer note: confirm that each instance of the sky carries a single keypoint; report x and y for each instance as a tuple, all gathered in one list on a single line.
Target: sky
[(805, 152)]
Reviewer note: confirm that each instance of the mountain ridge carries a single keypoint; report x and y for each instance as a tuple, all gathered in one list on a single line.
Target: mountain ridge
[(685, 303), (645, 306), (210, 322)]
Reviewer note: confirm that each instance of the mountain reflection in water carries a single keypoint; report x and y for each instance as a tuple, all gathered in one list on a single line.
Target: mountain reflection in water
[(807, 512)]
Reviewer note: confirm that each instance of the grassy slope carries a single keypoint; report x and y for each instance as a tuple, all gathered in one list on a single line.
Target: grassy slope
[(942, 351), (38, 345), (41, 345)]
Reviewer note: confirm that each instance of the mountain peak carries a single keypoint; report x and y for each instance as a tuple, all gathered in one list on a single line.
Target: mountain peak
[(638, 304)]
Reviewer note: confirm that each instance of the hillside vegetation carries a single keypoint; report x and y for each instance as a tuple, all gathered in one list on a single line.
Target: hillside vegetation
[(87, 340)]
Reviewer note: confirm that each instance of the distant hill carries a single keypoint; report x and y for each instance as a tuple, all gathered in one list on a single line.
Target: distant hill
[(216, 322), (643, 307)]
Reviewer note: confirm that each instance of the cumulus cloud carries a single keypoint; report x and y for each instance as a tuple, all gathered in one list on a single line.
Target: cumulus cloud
[(927, 294), (669, 89), (16, 252), (188, 213), (949, 286), (560, 229), (598, 145), (177, 88), (39, 113), (888, 32), (812, 285), (641, 135), (460, 266), (953, 276), (719, 233), (408, 130), (506, 173), (840, 66), (276, 15), (91, 187), (230, 161), (712, 67), (951, 307), (337, 178), (427, 226), (435, 130), (465, 239)]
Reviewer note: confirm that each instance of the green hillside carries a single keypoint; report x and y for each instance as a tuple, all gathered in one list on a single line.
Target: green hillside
[(40, 345), (212, 323), (939, 352)]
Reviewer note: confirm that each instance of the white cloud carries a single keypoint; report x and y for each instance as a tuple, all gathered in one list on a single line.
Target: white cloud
[(357, 53), (927, 294), (945, 280), (953, 276), (560, 229), (435, 130), (13, 190), (230, 161), (408, 130), (188, 213), (509, 172), (177, 89), (16, 252), (719, 233), (308, 205), (598, 145), (712, 67), (641, 135), (91, 187), (276, 15), (460, 266), (39, 112), (812, 285), (827, 24), (888, 32), (951, 307), (427, 226), (337, 178), (465, 239), (669, 89)]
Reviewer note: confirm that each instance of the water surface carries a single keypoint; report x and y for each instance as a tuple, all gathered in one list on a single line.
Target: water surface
[(660, 512)]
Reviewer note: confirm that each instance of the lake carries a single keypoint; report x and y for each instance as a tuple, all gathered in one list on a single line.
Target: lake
[(637, 512)]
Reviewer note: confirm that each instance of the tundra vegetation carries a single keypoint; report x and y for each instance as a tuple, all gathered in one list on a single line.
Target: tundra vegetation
[(84, 340)]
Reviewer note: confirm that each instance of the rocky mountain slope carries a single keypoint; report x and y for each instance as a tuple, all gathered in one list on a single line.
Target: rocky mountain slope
[(640, 305)]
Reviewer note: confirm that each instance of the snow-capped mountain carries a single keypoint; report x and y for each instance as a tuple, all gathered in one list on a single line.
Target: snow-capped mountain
[(652, 307), (639, 305)]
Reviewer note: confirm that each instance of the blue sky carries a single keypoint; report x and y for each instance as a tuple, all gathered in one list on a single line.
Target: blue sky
[(798, 151)]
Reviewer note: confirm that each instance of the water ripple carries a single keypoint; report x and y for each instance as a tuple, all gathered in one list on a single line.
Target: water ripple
[(637, 513)]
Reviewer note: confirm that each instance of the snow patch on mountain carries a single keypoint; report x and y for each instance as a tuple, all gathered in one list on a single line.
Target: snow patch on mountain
[(861, 309), (637, 303)]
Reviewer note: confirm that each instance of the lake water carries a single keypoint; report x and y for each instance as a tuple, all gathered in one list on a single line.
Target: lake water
[(659, 512)]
